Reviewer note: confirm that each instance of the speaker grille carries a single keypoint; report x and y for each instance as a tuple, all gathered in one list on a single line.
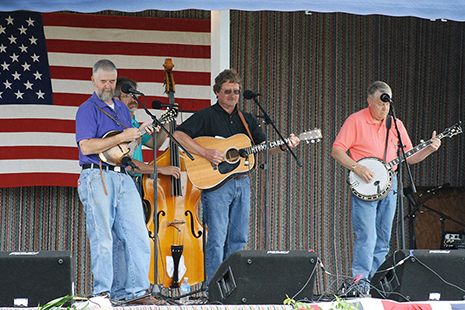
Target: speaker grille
[(423, 275), (33, 278), (264, 277)]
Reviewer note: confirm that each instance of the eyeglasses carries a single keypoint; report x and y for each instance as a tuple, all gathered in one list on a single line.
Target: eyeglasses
[(229, 91), (128, 96)]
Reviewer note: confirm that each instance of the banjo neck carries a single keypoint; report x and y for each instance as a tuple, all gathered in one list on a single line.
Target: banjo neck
[(418, 148), (410, 153)]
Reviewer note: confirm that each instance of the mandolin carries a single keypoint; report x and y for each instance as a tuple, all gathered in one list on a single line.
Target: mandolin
[(113, 155)]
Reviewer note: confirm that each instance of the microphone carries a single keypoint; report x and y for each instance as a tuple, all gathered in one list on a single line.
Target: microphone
[(386, 98), (248, 94), (126, 161), (156, 104), (434, 190), (126, 88)]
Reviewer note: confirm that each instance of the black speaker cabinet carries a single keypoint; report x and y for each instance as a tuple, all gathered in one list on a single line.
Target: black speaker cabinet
[(264, 277), (423, 275), (28, 279)]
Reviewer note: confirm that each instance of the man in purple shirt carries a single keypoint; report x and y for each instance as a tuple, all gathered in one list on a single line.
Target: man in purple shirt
[(110, 199)]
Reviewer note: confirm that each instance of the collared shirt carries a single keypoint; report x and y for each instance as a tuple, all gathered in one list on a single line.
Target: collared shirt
[(362, 137), (145, 138), (138, 152), (215, 121), (93, 123)]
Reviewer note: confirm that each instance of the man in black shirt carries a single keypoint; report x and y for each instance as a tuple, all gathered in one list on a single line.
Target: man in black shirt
[(226, 208)]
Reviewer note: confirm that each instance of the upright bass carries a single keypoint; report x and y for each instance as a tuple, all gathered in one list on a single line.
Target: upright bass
[(180, 232)]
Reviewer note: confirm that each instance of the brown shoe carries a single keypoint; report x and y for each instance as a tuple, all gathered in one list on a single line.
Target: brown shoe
[(148, 300)]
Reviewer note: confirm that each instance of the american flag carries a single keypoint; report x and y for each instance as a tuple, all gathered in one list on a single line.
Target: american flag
[(45, 69)]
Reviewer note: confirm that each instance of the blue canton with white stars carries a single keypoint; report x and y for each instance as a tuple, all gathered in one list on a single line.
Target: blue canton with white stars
[(24, 68)]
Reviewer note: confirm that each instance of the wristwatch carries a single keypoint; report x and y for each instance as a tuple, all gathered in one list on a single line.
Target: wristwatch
[(353, 166)]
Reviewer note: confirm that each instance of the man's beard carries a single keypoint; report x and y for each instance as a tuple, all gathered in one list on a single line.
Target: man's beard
[(106, 94), (133, 110)]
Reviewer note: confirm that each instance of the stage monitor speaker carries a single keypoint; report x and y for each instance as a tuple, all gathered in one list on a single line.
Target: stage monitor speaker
[(264, 277), (32, 278), (416, 275)]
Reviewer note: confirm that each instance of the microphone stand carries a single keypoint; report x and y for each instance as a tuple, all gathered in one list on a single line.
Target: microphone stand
[(156, 289), (411, 215), (265, 167), (417, 205), (269, 121), (400, 187)]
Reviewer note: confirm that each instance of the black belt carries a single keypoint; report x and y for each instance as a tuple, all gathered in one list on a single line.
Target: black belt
[(136, 178), (112, 168)]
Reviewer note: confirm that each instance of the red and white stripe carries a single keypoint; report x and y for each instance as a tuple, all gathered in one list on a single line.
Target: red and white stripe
[(37, 142)]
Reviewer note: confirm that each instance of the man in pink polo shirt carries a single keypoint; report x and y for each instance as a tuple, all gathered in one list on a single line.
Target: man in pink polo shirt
[(364, 135)]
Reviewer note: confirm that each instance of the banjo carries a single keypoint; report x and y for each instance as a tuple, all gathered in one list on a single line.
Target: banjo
[(381, 183)]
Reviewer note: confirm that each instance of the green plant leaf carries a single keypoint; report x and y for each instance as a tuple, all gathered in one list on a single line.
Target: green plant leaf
[(56, 303)]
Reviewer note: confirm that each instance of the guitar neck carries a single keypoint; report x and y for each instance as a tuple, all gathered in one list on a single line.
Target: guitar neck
[(263, 146), (310, 136), (413, 151)]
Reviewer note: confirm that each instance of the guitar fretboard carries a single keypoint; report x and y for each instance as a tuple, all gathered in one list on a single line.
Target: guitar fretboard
[(264, 146)]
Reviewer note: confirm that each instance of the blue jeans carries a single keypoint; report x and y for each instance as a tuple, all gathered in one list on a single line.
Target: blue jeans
[(372, 223), (118, 214), (226, 213), (118, 291)]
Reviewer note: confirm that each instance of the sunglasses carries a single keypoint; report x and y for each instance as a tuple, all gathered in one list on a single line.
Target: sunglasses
[(229, 91)]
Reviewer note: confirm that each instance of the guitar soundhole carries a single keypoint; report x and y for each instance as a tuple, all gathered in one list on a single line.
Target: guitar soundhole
[(225, 167), (232, 155)]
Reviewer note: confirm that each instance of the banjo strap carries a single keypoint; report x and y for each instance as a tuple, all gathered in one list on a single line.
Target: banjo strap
[(388, 127)]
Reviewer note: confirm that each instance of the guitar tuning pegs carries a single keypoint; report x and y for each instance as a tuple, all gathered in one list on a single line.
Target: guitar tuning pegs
[(422, 141)]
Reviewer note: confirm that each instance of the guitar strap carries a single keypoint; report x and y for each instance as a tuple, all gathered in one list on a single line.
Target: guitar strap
[(100, 162), (245, 123), (117, 122), (388, 127)]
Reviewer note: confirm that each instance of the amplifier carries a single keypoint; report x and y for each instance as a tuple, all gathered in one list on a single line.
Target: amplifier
[(32, 278), (264, 277), (453, 240)]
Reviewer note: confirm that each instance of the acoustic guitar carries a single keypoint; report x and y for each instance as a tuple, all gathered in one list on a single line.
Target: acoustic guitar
[(237, 160)]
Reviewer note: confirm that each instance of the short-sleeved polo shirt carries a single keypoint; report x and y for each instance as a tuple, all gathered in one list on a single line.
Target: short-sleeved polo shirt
[(363, 137), (93, 123)]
